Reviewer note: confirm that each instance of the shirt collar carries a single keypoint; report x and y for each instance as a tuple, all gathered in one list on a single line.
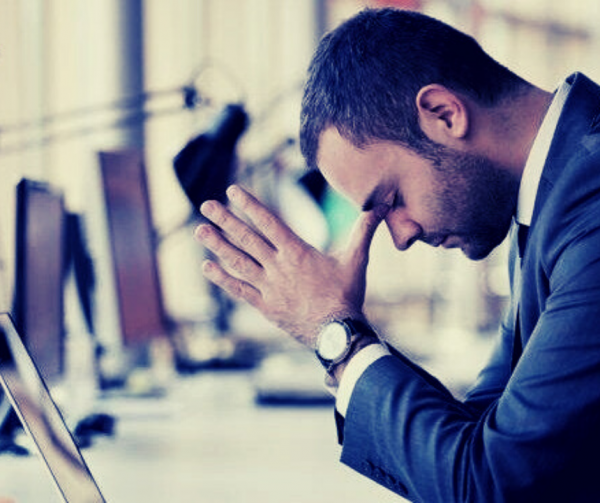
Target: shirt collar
[(532, 172)]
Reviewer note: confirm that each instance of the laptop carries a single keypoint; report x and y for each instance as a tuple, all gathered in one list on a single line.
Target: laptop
[(41, 419)]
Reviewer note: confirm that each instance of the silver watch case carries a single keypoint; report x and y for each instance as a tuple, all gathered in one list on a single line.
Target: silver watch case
[(334, 342), (336, 339)]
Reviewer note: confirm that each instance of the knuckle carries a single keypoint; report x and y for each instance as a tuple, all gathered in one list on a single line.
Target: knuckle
[(246, 238), (211, 238), (239, 290), (296, 254), (239, 264), (235, 288), (267, 222), (222, 218)]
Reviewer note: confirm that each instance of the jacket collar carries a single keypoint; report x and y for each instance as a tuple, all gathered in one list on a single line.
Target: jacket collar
[(579, 119)]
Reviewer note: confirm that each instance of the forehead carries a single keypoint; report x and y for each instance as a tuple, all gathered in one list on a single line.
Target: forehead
[(353, 171)]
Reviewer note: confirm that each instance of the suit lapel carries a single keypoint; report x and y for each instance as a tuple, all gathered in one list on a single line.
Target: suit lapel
[(579, 123), (576, 132)]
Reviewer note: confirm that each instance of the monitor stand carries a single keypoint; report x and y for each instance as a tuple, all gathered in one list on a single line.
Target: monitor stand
[(86, 430), (9, 429)]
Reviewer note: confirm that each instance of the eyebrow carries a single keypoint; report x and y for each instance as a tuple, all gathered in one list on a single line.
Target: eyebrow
[(372, 199)]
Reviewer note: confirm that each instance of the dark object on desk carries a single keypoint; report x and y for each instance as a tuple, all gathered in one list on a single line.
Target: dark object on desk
[(291, 379), (204, 167), (10, 426), (92, 426)]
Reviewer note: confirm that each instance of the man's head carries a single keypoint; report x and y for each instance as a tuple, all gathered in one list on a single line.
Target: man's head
[(366, 74), (402, 110)]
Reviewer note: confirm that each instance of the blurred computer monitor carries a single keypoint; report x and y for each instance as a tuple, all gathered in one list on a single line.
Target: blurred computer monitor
[(132, 242), (38, 307)]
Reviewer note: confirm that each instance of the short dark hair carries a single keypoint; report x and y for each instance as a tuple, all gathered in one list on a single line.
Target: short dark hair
[(365, 76)]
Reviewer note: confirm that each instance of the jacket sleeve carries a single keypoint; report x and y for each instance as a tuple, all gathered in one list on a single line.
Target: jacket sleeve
[(532, 436)]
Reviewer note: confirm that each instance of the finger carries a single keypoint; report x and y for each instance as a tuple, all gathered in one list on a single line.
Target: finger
[(363, 232), (268, 224), (231, 257), (235, 287), (239, 233)]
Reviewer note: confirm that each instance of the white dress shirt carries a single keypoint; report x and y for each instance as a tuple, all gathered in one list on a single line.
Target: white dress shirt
[(527, 193)]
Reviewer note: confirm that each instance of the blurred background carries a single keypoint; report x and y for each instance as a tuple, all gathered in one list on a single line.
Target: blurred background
[(111, 112)]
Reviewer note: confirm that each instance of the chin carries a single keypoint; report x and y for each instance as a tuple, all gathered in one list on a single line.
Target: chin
[(481, 245), (477, 256), (477, 252)]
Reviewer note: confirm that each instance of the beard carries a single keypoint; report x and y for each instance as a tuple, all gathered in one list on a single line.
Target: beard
[(473, 201)]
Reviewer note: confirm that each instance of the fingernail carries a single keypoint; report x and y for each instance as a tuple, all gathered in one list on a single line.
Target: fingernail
[(208, 267), (207, 208), (201, 231), (233, 191)]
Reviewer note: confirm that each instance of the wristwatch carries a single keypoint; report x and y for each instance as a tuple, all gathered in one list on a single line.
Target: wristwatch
[(336, 339)]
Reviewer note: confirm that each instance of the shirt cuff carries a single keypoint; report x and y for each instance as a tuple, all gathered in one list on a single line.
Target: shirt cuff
[(355, 368)]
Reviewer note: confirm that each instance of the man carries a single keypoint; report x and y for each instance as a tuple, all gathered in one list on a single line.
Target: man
[(421, 129)]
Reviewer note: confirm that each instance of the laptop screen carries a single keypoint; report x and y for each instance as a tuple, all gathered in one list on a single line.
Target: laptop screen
[(42, 420)]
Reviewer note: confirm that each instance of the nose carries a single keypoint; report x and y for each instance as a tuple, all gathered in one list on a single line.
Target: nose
[(403, 230)]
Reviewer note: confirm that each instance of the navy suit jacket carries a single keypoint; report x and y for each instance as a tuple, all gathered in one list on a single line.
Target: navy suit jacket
[(529, 429)]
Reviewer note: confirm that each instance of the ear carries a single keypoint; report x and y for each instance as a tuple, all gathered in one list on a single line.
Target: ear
[(443, 114)]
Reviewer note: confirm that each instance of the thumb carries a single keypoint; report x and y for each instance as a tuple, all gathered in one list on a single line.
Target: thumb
[(362, 234)]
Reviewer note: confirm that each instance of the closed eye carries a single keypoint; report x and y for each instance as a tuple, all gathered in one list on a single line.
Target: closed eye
[(398, 200)]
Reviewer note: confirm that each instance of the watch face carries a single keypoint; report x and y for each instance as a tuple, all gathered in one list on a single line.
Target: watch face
[(333, 341)]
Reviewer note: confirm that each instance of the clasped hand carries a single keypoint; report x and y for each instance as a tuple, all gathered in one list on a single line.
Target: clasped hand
[(259, 259)]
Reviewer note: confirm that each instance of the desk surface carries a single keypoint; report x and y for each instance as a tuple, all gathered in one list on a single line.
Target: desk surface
[(208, 441)]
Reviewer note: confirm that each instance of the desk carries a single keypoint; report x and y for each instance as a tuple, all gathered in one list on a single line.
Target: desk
[(208, 441)]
